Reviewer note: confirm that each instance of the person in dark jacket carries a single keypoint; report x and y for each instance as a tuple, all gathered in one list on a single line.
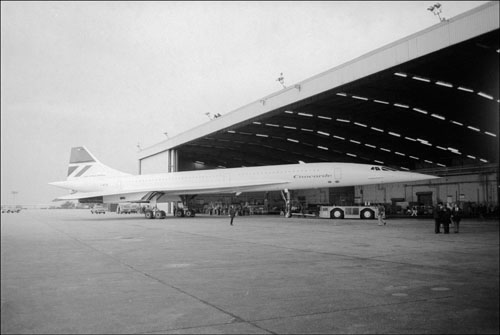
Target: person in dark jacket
[(446, 219), (232, 213), (456, 216), (438, 214)]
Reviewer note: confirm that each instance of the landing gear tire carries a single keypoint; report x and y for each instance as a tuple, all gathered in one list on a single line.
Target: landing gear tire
[(149, 215), (179, 213), (337, 214), (367, 214), (190, 213)]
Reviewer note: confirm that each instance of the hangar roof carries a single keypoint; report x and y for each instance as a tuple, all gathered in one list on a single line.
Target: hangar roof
[(428, 100)]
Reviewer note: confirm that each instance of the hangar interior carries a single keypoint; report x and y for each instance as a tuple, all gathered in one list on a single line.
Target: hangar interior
[(427, 103)]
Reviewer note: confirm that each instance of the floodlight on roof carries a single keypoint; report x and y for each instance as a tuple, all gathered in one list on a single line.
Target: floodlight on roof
[(436, 10)]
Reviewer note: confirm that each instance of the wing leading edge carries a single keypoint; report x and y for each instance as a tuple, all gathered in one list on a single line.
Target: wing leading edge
[(236, 188)]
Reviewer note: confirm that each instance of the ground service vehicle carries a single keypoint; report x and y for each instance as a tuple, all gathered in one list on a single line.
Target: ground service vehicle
[(126, 208), (348, 212), (98, 210)]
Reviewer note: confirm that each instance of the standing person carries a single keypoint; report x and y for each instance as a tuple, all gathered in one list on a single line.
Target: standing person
[(381, 215), (456, 216), (438, 213), (446, 219), (414, 211), (232, 213)]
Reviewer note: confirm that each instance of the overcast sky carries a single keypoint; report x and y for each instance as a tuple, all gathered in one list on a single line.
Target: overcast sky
[(110, 75)]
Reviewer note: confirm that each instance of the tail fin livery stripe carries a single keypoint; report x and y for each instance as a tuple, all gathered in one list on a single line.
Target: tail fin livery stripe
[(71, 169), (83, 170), (80, 155)]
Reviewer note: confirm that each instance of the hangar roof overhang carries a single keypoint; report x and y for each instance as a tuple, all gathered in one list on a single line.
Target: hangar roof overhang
[(428, 100)]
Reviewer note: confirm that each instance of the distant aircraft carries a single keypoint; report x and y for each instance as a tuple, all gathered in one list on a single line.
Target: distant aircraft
[(93, 182)]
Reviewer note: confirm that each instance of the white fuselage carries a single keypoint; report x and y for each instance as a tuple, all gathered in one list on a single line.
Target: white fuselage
[(265, 178)]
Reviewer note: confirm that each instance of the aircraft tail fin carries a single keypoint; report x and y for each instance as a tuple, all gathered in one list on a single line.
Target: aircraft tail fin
[(83, 164)]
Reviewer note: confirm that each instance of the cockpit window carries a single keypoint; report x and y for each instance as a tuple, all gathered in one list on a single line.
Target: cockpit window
[(382, 168)]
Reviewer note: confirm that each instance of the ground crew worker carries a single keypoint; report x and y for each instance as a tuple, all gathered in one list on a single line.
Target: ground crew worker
[(232, 213)]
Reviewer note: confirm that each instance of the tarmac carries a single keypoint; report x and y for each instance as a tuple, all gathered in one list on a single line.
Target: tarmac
[(70, 271)]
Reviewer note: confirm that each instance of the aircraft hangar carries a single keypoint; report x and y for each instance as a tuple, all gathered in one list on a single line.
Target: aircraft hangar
[(428, 103)]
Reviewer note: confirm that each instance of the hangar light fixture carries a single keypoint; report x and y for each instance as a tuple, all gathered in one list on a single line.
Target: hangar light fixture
[(371, 146), (430, 162), (378, 129), (289, 112), (290, 127), (399, 153), (483, 160), (437, 116), (400, 74), (394, 134), (381, 102), (442, 83), (421, 79), (410, 139), (380, 162), (401, 105), (342, 120), (308, 130), (465, 89), (457, 123), (484, 95), (359, 98), (339, 137), (354, 141), (473, 128), (442, 148), (272, 125), (261, 135), (323, 133), (322, 148), (292, 140), (342, 94), (231, 131), (256, 122), (442, 165), (352, 155), (384, 149), (305, 114), (491, 134), (413, 157), (472, 157), (324, 117), (403, 168), (420, 110), (360, 124)]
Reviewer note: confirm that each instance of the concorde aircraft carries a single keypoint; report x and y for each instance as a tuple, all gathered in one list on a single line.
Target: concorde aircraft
[(92, 181)]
